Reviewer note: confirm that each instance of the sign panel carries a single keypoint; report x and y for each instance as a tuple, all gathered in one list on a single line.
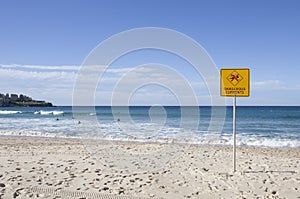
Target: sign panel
[(235, 82)]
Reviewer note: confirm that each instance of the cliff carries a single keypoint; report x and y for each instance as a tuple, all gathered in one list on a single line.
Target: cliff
[(13, 100)]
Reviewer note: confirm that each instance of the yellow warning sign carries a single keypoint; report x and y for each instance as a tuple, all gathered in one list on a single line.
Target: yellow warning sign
[(235, 82)]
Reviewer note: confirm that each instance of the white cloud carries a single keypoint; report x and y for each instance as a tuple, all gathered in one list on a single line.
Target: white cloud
[(38, 75), (39, 82), (56, 83), (38, 67), (274, 85), (267, 83)]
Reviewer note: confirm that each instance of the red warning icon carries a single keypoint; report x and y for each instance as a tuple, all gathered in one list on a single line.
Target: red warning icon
[(234, 78)]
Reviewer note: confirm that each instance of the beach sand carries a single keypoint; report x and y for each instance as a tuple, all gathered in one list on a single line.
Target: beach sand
[(49, 168)]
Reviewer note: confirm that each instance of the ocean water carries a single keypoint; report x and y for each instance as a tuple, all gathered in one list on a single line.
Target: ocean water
[(259, 126)]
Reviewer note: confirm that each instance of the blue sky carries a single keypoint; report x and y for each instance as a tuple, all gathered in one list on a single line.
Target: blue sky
[(43, 43)]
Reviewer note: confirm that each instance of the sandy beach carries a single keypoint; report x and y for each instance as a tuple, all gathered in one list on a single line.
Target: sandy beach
[(49, 168)]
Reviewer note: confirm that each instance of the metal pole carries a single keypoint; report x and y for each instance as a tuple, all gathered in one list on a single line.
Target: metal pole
[(234, 134)]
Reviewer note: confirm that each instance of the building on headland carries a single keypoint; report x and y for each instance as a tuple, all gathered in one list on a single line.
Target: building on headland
[(1, 99), (14, 98), (21, 100), (4, 99)]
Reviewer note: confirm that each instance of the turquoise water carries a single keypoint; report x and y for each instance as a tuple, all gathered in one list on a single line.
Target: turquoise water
[(261, 126)]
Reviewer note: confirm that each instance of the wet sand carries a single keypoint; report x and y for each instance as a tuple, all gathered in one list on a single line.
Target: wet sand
[(49, 168)]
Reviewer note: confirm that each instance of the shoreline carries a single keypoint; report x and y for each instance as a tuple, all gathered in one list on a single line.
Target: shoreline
[(140, 141), (37, 167)]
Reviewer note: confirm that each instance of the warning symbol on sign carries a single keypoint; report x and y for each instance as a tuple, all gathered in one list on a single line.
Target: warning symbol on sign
[(234, 78), (235, 82)]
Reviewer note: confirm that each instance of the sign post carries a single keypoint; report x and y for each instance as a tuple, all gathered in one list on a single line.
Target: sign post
[(234, 133), (234, 83)]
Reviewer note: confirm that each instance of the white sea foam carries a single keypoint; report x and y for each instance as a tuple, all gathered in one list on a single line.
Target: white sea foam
[(269, 142), (32, 122), (41, 112), (203, 140), (45, 112), (57, 112), (9, 112), (27, 133)]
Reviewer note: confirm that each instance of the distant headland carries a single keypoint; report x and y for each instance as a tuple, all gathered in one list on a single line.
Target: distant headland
[(14, 100)]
